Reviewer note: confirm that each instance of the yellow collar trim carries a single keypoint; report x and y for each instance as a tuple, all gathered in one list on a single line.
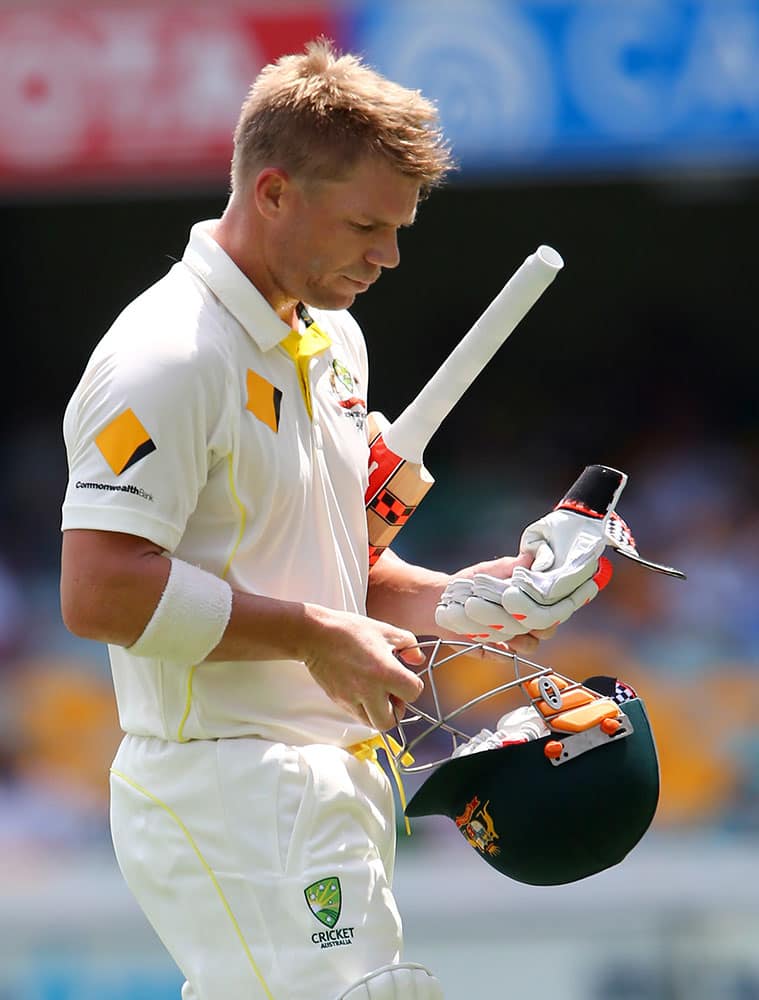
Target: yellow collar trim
[(302, 347)]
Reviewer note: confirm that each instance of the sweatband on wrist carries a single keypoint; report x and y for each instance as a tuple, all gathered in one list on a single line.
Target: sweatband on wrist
[(190, 618)]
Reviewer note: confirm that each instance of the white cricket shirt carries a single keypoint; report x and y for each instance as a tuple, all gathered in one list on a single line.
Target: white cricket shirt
[(189, 428)]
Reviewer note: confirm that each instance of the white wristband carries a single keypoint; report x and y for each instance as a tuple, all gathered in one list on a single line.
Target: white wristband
[(190, 618)]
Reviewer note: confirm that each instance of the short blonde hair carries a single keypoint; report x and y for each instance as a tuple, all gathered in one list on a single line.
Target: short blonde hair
[(317, 113)]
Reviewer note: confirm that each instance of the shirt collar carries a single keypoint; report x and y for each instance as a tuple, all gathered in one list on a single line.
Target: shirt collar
[(238, 294)]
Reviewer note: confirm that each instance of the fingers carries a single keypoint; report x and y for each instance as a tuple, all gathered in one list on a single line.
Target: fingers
[(453, 618), (410, 655), (502, 567), (380, 714), (399, 707), (524, 645), (406, 686), (402, 683), (494, 618), (524, 559), (486, 607), (449, 613), (388, 698), (578, 564), (491, 608), (361, 714), (383, 713), (389, 684), (539, 617), (544, 633), (544, 558), (367, 667), (488, 621)]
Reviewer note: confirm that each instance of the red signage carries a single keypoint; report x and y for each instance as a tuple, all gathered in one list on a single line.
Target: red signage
[(92, 95)]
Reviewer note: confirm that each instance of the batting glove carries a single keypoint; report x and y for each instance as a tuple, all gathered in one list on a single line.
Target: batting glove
[(567, 572)]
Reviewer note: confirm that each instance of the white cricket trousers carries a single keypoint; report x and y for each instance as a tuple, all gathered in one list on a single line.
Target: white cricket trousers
[(265, 869)]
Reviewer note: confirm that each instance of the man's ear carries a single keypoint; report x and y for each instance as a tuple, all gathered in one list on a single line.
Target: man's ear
[(269, 187)]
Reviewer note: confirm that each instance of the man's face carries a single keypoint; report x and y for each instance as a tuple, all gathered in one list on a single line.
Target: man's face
[(332, 238)]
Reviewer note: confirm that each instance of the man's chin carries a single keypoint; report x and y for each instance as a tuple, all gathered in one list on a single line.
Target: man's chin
[(330, 299)]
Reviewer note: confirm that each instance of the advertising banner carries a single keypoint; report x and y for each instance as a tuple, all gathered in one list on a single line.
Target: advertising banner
[(147, 94), (130, 93), (579, 84)]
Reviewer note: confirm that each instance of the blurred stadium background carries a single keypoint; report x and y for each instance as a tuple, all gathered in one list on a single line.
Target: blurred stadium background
[(625, 134)]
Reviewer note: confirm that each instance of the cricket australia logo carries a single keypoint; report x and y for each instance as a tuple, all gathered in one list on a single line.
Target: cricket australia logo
[(341, 374), (344, 386), (477, 826), (325, 901)]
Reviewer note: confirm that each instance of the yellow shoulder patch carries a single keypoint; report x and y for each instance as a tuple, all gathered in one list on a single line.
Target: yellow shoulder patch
[(124, 441), (264, 399)]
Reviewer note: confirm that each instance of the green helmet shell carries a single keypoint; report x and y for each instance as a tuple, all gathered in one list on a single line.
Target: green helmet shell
[(543, 824)]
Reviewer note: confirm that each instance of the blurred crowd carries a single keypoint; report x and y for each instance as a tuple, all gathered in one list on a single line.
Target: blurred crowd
[(690, 648)]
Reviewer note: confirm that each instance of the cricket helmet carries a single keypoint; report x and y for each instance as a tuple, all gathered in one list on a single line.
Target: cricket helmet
[(545, 811)]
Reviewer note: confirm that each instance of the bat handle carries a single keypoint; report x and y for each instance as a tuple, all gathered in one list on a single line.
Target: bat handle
[(411, 431)]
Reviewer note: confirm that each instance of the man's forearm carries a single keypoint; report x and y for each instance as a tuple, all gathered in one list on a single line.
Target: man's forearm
[(111, 586), (405, 594)]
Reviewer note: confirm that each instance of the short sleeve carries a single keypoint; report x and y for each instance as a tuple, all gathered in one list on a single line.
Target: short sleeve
[(141, 432)]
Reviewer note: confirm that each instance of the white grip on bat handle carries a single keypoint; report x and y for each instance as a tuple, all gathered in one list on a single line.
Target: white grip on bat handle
[(409, 434)]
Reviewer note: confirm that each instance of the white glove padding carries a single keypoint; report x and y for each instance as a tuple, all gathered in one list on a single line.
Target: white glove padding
[(495, 604), (567, 547), (490, 608), (567, 571), (451, 614), (568, 543)]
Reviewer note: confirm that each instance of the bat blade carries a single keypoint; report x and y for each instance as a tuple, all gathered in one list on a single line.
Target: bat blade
[(396, 488), (398, 480)]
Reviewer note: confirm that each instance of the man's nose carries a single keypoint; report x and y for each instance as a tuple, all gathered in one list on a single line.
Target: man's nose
[(384, 251)]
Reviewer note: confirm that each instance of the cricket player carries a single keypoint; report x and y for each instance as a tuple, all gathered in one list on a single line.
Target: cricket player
[(214, 536)]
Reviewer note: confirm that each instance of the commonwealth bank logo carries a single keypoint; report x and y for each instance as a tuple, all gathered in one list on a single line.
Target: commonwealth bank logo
[(325, 900), (124, 442)]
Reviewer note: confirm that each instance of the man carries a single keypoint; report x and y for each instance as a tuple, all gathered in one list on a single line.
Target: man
[(215, 539)]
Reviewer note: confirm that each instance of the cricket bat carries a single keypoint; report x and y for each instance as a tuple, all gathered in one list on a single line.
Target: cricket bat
[(398, 480)]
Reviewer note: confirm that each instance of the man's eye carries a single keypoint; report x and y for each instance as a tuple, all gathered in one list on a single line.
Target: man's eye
[(363, 227)]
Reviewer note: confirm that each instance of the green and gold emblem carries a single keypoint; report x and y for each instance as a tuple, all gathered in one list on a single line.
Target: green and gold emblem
[(325, 900), (343, 375)]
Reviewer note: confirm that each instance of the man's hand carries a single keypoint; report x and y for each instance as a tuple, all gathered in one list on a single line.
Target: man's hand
[(360, 663), (565, 568), (488, 608), (451, 615)]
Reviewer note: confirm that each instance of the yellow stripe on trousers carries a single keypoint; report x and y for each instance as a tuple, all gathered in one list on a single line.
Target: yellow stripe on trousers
[(367, 750), (206, 867)]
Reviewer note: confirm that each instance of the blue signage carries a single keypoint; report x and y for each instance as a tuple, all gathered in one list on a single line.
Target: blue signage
[(557, 84)]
